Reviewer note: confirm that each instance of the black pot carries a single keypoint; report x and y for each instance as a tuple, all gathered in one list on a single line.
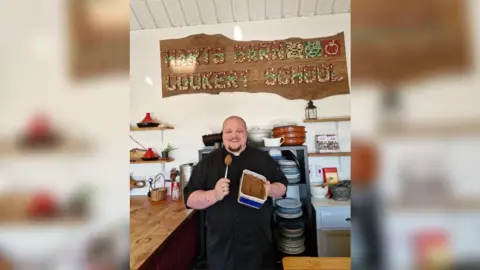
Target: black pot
[(211, 139), (164, 154)]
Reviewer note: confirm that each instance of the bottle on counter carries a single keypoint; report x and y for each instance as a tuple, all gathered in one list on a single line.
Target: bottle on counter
[(176, 188)]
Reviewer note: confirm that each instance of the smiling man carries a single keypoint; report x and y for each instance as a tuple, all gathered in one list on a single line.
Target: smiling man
[(238, 236)]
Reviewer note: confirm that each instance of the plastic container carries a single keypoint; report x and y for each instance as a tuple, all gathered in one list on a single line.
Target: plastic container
[(250, 200)]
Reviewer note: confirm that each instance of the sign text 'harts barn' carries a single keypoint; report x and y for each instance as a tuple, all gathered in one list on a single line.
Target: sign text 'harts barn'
[(293, 68)]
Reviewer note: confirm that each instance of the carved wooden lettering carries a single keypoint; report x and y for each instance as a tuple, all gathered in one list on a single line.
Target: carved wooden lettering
[(293, 68)]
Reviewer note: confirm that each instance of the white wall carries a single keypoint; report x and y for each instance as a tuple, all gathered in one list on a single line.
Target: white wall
[(199, 114), (442, 99), (34, 76)]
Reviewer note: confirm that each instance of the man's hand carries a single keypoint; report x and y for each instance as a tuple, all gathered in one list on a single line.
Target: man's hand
[(222, 188), (275, 190)]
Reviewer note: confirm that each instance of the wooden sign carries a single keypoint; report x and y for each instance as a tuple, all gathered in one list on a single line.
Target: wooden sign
[(408, 41), (294, 68), (99, 38)]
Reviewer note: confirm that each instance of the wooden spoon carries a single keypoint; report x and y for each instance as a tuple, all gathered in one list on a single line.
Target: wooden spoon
[(228, 161)]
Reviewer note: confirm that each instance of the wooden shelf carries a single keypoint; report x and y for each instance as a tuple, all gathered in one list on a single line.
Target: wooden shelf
[(445, 207), (150, 128), (10, 148), (329, 119), (337, 154), (15, 213), (422, 130), (139, 161)]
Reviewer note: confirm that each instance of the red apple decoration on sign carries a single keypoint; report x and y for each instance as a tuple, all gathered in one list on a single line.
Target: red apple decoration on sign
[(43, 204), (331, 48)]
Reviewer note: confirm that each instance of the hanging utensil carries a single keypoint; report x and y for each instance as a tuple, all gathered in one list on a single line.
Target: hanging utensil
[(162, 177), (144, 148), (150, 188), (136, 183)]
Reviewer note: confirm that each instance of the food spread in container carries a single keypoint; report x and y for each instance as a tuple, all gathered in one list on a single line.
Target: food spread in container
[(253, 186), (252, 189)]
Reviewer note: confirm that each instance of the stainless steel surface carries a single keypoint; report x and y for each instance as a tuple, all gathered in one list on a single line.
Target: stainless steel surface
[(185, 173)]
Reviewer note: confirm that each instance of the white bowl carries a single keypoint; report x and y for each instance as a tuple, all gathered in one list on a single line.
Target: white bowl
[(257, 135), (292, 176), (318, 191)]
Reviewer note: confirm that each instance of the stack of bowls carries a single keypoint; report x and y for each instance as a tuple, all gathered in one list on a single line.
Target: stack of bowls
[(290, 169), (288, 208), (256, 135), (290, 239), (294, 135)]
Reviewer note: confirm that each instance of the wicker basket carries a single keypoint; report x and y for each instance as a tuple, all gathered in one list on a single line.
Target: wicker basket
[(158, 194), (136, 154)]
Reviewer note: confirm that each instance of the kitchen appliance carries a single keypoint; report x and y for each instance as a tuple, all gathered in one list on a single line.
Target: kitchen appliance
[(185, 173)]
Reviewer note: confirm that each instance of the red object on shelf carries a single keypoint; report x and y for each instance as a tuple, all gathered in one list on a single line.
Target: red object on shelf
[(43, 204), (39, 126), (150, 154), (330, 177), (148, 119)]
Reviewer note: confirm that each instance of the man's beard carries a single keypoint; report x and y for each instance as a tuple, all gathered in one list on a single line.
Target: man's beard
[(236, 149)]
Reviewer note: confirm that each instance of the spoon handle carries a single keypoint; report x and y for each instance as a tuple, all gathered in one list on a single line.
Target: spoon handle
[(226, 172)]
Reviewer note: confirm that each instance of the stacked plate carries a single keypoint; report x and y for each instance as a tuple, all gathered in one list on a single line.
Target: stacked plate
[(276, 154), (290, 169), (290, 239), (288, 208)]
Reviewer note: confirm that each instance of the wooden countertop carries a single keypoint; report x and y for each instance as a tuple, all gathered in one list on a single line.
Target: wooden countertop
[(317, 263), (317, 202), (151, 223)]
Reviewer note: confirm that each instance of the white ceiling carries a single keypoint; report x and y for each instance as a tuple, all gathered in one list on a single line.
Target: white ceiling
[(152, 14)]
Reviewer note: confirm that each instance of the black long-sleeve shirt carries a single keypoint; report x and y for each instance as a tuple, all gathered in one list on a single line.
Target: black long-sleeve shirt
[(238, 236)]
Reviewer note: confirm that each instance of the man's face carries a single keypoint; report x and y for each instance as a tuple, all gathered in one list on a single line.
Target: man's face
[(234, 135)]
